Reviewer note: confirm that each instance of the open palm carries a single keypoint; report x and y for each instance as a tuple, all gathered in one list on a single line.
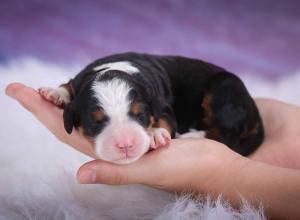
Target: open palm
[(281, 121)]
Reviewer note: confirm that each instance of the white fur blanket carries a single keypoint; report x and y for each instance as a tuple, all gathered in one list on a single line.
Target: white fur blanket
[(37, 178)]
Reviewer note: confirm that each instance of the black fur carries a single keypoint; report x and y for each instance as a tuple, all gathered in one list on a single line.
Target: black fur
[(187, 93)]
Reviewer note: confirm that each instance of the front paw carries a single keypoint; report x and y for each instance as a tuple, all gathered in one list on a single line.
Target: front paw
[(58, 96), (160, 137)]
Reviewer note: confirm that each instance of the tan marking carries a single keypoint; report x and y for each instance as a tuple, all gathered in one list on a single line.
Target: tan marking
[(213, 134), (68, 87), (255, 128), (98, 115), (162, 123), (152, 121), (208, 112), (88, 138), (136, 108), (151, 125), (252, 131)]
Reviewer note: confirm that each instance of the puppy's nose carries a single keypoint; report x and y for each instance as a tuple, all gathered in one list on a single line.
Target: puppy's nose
[(125, 147)]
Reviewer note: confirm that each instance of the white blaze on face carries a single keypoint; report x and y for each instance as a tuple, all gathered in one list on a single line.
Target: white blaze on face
[(124, 66), (122, 140)]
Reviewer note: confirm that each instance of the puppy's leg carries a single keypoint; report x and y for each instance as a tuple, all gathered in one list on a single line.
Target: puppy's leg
[(160, 137), (163, 130), (230, 114), (59, 96)]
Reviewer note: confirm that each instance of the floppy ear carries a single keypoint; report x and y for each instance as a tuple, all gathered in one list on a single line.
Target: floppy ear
[(69, 118)]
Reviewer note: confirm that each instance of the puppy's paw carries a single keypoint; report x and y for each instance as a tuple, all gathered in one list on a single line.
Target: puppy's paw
[(160, 137), (59, 96)]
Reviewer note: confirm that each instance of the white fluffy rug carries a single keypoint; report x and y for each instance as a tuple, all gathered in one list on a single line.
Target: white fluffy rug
[(37, 178)]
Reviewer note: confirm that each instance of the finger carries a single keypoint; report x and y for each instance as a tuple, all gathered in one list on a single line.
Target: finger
[(140, 172), (103, 172), (27, 97), (49, 115), (44, 111)]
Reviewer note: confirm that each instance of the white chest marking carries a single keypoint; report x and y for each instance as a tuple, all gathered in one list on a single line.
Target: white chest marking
[(124, 66)]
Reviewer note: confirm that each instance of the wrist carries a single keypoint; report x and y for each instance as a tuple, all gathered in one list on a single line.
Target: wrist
[(273, 187), (225, 170)]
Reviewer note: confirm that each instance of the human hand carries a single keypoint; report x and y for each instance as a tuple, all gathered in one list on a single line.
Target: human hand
[(278, 147), (198, 165), (281, 146), (49, 115), (184, 160)]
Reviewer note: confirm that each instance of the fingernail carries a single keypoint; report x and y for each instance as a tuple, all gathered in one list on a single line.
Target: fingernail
[(86, 177)]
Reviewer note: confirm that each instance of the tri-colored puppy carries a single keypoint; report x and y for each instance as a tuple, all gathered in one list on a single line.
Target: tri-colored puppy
[(128, 103)]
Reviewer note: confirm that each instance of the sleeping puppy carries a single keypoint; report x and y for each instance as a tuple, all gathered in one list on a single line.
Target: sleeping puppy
[(129, 103)]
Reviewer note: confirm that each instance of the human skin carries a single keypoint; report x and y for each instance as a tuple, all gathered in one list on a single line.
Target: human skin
[(269, 175)]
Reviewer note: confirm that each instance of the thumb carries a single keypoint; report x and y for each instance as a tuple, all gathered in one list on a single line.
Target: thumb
[(99, 171)]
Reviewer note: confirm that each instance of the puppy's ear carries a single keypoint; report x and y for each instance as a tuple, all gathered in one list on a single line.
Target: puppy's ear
[(152, 101), (69, 118)]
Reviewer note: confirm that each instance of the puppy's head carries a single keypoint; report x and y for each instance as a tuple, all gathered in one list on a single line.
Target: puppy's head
[(116, 113)]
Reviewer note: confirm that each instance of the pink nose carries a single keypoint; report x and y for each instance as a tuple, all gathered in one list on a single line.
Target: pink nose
[(125, 147)]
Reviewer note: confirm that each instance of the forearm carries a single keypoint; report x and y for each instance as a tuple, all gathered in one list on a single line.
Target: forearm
[(278, 189)]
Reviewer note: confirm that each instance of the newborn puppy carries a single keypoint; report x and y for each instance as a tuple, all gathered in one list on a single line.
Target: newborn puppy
[(129, 103)]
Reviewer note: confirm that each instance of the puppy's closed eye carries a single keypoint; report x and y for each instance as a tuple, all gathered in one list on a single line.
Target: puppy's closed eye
[(141, 118), (140, 113)]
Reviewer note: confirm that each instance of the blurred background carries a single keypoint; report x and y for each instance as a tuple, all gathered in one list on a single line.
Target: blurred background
[(258, 36), (44, 43)]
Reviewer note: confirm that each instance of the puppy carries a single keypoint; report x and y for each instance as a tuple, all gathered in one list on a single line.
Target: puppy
[(129, 103)]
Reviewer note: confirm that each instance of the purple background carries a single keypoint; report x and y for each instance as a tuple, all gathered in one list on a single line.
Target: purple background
[(258, 36)]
